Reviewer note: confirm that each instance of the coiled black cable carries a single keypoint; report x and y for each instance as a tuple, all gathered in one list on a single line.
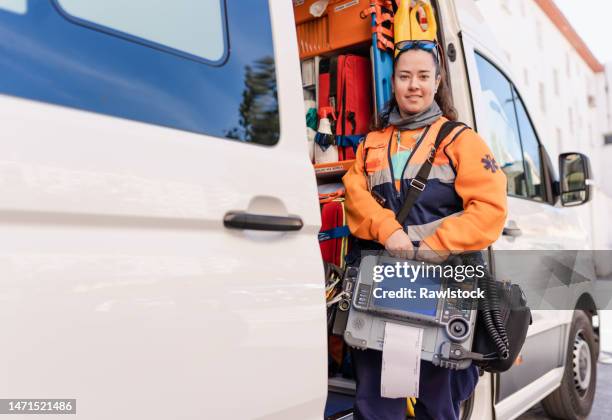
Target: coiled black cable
[(493, 318), (491, 314)]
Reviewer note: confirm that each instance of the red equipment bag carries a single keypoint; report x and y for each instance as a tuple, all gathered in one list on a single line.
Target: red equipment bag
[(323, 98), (333, 238), (354, 95), (349, 78)]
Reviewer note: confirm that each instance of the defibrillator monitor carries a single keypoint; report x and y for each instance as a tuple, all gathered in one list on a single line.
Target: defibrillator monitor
[(426, 296)]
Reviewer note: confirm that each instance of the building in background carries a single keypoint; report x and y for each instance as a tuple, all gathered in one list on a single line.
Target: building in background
[(566, 90)]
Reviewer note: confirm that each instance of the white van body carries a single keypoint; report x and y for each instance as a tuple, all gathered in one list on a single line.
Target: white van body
[(121, 287), (542, 227)]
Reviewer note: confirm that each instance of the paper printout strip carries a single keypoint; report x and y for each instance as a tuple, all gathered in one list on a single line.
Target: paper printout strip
[(401, 361)]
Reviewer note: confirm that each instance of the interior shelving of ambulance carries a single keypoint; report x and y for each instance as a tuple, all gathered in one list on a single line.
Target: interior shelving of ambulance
[(346, 54)]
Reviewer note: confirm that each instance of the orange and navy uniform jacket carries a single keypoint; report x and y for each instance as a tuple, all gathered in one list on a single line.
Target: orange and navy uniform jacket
[(463, 206)]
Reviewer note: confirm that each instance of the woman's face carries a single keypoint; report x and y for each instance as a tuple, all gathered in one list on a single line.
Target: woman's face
[(415, 81)]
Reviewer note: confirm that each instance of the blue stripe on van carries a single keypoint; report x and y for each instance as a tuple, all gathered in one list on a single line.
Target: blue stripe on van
[(46, 57)]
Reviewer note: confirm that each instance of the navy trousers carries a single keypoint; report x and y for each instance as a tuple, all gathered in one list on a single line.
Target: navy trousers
[(441, 390)]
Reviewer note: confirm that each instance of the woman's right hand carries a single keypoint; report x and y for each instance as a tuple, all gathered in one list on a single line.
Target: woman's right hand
[(399, 245)]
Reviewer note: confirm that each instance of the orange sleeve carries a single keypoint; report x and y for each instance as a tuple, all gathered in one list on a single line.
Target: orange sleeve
[(366, 218), (481, 184)]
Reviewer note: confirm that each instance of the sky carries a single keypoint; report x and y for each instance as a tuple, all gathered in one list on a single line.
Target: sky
[(591, 20)]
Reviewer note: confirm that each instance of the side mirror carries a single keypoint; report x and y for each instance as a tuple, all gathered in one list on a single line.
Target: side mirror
[(574, 179)]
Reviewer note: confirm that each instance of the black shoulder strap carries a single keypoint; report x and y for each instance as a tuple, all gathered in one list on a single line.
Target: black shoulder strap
[(417, 185)]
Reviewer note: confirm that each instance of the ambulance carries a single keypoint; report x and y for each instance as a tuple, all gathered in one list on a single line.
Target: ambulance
[(159, 219)]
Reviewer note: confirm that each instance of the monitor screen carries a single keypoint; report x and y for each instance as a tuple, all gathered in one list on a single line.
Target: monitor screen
[(404, 300)]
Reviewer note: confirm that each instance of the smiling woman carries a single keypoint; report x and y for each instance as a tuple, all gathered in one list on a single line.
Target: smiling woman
[(458, 206), (415, 82)]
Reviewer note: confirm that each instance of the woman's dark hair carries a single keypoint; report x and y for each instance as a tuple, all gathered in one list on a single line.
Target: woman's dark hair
[(442, 97)]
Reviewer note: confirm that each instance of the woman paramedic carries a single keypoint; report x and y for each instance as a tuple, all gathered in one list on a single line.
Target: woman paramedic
[(463, 207)]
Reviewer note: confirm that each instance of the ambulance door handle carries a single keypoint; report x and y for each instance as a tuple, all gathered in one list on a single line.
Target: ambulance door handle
[(512, 229), (250, 221)]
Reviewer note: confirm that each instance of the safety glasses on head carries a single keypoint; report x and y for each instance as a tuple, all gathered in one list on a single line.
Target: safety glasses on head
[(429, 46)]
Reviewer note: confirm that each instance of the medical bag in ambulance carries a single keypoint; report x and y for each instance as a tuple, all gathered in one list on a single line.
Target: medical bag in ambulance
[(333, 237), (349, 78)]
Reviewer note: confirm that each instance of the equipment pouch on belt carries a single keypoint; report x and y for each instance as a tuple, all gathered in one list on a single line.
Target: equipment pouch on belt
[(501, 328)]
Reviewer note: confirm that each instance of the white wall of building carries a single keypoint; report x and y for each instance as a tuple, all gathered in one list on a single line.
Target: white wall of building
[(606, 153), (566, 99)]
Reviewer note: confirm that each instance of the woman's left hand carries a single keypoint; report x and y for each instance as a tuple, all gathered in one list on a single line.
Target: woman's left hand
[(425, 253)]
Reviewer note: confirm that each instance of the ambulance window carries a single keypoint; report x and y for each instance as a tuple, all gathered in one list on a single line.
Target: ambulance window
[(531, 152), (124, 60), (501, 129), (201, 23)]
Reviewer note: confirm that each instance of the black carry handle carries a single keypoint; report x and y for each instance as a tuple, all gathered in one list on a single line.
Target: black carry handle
[(418, 183), (250, 221)]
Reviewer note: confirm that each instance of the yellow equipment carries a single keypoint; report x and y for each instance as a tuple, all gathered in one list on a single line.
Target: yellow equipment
[(411, 401), (414, 21)]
